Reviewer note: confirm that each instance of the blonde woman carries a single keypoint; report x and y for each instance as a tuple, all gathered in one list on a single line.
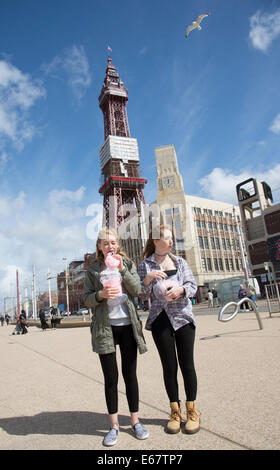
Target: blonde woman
[(172, 323), (120, 325)]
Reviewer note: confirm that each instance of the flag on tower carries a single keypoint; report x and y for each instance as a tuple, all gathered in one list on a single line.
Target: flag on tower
[(109, 48)]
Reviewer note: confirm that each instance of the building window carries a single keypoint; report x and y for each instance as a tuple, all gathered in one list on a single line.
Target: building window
[(202, 224), (206, 244), (231, 264), (200, 241), (168, 182), (221, 264), (216, 266), (227, 264), (198, 224), (221, 226), (210, 226), (217, 243), (237, 264), (212, 239), (168, 217), (178, 229), (224, 244), (209, 264), (214, 225), (203, 262), (225, 228), (228, 243)]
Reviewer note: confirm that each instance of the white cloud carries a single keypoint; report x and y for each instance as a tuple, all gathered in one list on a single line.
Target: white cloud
[(275, 126), (18, 93), (65, 204), (9, 207), (74, 62), (264, 28), (220, 184), (41, 234)]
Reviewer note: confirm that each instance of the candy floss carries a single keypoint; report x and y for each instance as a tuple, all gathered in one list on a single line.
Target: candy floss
[(111, 277), (163, 286)]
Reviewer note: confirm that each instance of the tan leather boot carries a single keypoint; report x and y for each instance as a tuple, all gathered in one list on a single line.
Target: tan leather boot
[(174, 425), (193, 418)]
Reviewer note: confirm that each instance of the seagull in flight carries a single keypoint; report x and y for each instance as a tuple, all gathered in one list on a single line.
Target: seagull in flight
[(196, 24)]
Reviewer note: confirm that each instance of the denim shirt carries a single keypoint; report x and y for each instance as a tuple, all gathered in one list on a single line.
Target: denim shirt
[(179, 311)]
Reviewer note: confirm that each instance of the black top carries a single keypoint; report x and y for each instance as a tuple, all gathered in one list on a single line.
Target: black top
[(170, 272)]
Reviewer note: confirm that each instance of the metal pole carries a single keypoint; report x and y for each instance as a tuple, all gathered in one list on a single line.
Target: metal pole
[(49, 282), (18, 312), (66, 285), (35, 298)]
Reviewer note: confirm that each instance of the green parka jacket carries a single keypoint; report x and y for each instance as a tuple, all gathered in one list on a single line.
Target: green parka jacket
[(101, 331)]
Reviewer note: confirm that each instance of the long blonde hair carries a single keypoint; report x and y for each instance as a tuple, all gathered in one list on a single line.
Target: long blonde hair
[(150, 246), (103, 232)]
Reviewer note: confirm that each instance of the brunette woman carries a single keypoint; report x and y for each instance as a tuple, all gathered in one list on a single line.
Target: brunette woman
[(169, 284)]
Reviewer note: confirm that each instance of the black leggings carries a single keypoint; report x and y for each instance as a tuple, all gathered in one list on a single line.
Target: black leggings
[(166, 339), (123, 335)]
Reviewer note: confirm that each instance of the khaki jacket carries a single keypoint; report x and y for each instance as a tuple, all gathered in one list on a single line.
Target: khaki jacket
[(250, 290), (101, 331)]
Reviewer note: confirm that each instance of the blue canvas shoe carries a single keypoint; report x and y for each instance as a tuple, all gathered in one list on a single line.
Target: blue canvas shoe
[(139, 431), (111, 437)]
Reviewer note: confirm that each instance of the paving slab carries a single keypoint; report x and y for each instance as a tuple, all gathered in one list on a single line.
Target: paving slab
[(52, 390)]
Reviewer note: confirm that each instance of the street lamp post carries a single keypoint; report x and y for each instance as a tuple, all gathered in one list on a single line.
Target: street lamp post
[(66, 286)]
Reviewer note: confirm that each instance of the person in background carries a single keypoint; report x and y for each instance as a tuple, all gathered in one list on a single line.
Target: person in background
[(215, 298), (251, 292), (43, 321), (116, 325), (210, 298), (23, 323), (241, 295), (172, 323)]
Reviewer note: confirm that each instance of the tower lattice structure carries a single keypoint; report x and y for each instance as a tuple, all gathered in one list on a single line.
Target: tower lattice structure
[(121, 184)]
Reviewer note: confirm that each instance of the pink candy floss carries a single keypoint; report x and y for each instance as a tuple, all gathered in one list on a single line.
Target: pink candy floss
[(111, 262)]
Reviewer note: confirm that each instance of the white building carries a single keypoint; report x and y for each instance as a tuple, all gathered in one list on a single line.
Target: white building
[(206, 231)]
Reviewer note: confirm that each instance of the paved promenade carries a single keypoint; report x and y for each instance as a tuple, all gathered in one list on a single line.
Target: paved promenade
[(52, 390)]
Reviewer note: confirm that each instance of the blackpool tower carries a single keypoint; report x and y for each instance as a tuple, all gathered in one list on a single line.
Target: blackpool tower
[(121, 184)]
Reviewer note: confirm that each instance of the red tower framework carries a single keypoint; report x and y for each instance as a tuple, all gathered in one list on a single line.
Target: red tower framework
[(121, 183)]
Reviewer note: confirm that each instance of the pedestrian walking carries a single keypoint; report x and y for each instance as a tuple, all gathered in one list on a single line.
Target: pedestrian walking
[(241, 295), (2, 319), (215, 298), (169, 284), (43, 321), (7, 318), (210, 298), (54, 319), (251, 292), (23, 323), (116, 324)]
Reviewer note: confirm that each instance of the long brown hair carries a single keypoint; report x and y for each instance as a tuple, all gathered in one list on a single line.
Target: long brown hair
[(150, 246), (103, 232)]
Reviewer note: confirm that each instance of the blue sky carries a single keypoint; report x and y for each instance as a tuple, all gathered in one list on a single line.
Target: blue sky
[(214, 95)]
